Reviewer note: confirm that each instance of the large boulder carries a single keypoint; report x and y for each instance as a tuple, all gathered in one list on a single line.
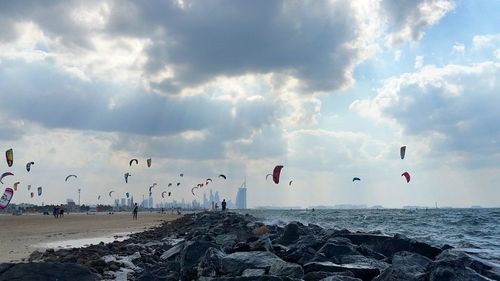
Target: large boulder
[(173, 252), (333, 249), (226, 241), (47, 271), (401, 243), (290, 234), (319, 275), (191, 255), (235, 263), (405, 266), (362, 260), (360, 271), (211, 263)]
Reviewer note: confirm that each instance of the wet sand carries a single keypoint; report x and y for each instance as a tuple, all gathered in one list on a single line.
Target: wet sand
[(21, 235)]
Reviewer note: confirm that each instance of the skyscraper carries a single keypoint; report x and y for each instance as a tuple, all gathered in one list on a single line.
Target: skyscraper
[(241, 196)]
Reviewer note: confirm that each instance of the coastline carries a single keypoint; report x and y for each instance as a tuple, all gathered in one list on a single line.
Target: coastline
[(231, 246), (21, 235)]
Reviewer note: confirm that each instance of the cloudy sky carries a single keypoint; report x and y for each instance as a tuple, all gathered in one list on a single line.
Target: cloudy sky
[(329, 89)]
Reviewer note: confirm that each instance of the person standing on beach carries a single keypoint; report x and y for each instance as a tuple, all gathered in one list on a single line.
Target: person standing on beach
[(134, 212), (223, 204)]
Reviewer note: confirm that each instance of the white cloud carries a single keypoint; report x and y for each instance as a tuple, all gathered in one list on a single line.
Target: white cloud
[(458, 48), (419, 62)]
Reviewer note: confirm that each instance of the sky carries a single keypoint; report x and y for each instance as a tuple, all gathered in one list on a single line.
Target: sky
[(329, 89)]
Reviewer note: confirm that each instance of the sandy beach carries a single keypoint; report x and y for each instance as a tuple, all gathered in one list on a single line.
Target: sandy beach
[(21, 235)]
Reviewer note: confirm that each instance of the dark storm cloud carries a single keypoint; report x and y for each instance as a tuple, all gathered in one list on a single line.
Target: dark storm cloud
[(42, 94)]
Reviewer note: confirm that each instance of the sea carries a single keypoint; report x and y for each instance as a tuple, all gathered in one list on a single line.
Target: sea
[(475, 231)]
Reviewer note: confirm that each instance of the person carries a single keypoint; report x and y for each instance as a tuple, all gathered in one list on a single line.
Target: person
[(57, 212), (223, 204), (61, 212), (213, 205), (134, 212), (216, 207), (54, 211)]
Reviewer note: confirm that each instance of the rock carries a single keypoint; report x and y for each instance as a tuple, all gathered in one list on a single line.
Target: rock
[(191, 255), (210, 264), (400, 243), (241, 247), (303, 255), (172, 252), (405, 266), (318, 275), (290, 234), (333, 249), (48, 271), (359, 271), (461, 260), (251, 272), (452, 270), (262, 244), (362, 260), (340, 278), (373, 240), (234, 264), (367, 252), (226, 241)]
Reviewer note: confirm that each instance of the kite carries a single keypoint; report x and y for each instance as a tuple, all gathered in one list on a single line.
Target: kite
[(163, 194), (356, 179), (268, 175), (407, 176), (181, 175), (9, 155), (126, 177), (169, 193), (29, 187), (99, 197), (148, 161), (111, 192), (151, 187), (4, 175), (32, 194), (276, 173), (39, 189), (70, 177), (206, 182), (5, 199), (178, 183), (15, 185), (192, 190), (222, 176), (28, 165), (402, 152), (290, 183), (132, 161), (170, 184)]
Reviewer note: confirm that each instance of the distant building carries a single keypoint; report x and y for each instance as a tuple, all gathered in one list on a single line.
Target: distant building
[(117, 202), (123, 202), (241, 196)]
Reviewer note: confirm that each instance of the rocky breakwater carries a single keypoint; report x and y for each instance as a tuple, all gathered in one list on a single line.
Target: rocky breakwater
[(230, 246)]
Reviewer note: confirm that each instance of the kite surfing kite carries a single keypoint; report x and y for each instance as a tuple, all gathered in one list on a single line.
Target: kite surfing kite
[(276, 174), (9, 155), (111, 192), (290, 183), (170, 184), (126, 177), (74, 176), (192, 190), (163, 194), (28, 165), (29, 187), (32, 194), (268, 175), (402, 151), (39, 189), (178, 183), (148, 161), (15, 185), (99, 197), (181, 175), (132, 161), (5, 199), (208, 180), (407, 176), (169, 193), (356, 179), (222, 176), (4, 175)]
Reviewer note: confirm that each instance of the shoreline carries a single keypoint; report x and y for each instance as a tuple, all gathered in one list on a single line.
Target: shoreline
[(214, 246), (21, 235)]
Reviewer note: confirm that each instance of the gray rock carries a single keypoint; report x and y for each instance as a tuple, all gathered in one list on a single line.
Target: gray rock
[(191, 255), (359, 271), (172, 252), (318, 275), (333, 249), (262, 244), (340, 278), (362, 260), (236, 263), (48, 271), (210, 264), (252, 272), (401, 243), (227, 241), (483, 267), (290, 234)]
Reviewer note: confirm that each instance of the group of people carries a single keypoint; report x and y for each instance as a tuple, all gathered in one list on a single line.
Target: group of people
[(216, 207), (58, 212)]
